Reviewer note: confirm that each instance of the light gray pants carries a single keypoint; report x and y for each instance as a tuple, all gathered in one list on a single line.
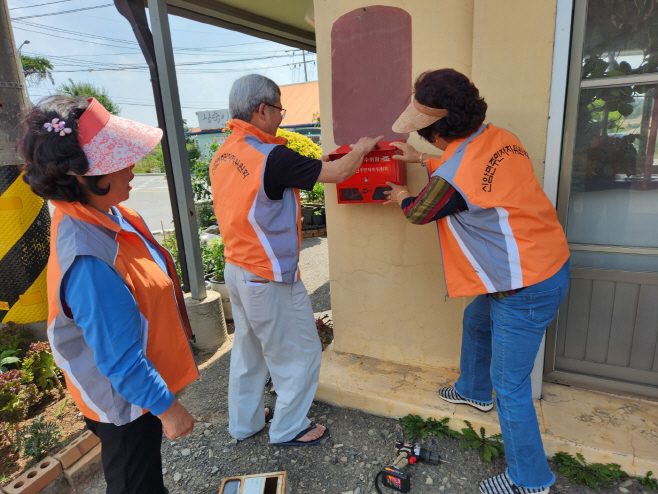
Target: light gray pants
[(275, 330)]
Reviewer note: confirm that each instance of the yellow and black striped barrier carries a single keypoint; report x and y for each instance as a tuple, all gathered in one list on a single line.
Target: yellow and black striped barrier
[(24, 250)]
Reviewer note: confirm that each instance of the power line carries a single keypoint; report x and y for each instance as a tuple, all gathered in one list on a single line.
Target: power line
[(39, 5), (126, 44), (63, 12)]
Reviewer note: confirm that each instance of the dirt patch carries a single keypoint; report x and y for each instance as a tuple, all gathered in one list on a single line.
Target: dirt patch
[(51, 406)]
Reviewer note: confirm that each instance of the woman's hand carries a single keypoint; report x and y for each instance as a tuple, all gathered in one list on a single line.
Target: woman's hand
[(176, 421), (397, 193), (409, 153)]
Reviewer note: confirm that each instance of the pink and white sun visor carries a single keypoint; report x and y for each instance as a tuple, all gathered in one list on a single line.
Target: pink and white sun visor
[(112, 143)]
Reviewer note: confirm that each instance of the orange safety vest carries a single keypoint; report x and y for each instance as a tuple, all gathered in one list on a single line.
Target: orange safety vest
[(510, 236), (78, 230), (261, 235)]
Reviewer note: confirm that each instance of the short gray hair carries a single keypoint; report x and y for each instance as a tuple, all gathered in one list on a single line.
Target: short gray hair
[(248, 92)]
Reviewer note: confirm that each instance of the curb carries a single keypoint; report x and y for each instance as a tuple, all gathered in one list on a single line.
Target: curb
[(76, 463), (315, 232)]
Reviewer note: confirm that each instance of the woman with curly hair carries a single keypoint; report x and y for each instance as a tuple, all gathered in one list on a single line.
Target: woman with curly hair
[(117, 323), (501, 242)]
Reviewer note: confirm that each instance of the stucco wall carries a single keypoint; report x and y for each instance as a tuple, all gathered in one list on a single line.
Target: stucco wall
[(387, 287), (512, 63)]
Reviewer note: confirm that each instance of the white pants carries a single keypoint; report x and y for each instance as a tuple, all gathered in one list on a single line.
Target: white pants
[(275, 330)]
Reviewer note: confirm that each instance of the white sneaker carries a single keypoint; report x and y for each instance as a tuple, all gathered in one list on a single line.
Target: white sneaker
[(502, 484), (450, 394)]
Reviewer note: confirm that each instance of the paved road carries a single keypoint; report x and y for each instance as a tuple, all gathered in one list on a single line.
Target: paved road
[(150, 198)]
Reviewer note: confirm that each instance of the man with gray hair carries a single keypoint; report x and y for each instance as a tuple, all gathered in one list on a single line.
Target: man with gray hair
[(255, 185)]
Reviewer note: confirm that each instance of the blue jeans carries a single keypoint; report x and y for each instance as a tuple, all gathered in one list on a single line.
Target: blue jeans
[(500, 341)]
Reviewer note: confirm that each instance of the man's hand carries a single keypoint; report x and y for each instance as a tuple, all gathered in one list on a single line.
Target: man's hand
[(367, 144), (338, 171), (176, 421)]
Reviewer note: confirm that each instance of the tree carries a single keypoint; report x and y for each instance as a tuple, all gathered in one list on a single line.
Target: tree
[(37, 69), (88, 90)]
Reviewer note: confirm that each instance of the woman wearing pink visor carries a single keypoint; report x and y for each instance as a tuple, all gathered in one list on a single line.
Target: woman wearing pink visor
[(117, 323)]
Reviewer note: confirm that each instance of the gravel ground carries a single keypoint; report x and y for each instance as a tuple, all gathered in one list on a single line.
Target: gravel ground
[(346, 463)]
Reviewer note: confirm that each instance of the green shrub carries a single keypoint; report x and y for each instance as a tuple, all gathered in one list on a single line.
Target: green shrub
[(200, 174), (313, 196), (214, 260), (169, 243), (590, 474), (39, 365), (415, 426), (37, 439), (152, 161), (212, 255), (14, 338), (205, 214), (17, 394)]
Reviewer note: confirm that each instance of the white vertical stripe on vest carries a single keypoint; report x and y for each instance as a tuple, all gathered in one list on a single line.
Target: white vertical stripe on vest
[(513, 256), (276, 268), (476, 266), (66, 367)]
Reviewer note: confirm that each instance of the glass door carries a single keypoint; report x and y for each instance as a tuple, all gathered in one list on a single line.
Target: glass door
[(606, 332)]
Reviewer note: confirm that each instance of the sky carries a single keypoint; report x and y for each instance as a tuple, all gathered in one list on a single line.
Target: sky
[(96, 44)]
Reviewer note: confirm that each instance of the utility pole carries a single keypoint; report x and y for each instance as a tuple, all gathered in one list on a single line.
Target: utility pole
[(24, 237), (12, 95), (20, 60), (304, 59)]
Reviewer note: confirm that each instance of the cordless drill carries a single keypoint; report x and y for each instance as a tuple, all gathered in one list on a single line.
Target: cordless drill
[(394, 476)]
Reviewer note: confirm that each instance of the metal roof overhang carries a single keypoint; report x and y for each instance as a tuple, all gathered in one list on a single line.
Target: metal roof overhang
[(289, 22)]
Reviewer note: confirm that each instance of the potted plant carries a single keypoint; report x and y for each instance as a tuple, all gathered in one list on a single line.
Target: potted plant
[(319, 217), (217, 260)]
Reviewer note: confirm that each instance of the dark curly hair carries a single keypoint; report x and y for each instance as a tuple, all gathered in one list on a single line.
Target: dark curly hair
[(453, 91), (48, 157)]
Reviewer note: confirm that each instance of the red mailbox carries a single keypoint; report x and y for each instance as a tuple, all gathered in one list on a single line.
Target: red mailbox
[(369, 182)]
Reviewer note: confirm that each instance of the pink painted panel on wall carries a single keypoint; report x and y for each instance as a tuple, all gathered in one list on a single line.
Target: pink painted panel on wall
[(371, 72)]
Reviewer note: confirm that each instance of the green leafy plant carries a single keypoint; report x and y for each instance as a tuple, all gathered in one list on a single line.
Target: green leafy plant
[(12, 337), (169, 243), (200, 174), (38, 438), (489, 446), (441, 429), (152, 162), (87, 89), (60, 409), (415, 426), (205, 214), (590, 474), (214, 261), (39, 364), (313, 196), (648, 482), (7, 357), (17, 394), (318, 212), (37, 69)]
